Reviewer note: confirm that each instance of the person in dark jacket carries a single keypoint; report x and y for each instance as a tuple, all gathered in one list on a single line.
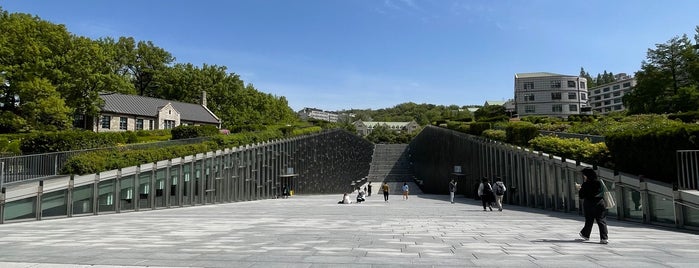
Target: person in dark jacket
[(593, 205)]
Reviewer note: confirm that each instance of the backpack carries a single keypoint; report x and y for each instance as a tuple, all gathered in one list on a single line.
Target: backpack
[(487, 190), (499, 189)]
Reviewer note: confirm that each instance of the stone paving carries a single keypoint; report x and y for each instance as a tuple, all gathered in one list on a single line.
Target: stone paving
[(315, 231)]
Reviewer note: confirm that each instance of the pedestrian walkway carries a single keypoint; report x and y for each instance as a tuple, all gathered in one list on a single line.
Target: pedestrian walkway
[(315, 231)]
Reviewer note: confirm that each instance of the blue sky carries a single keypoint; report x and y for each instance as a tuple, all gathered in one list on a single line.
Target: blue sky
[(372, 54)]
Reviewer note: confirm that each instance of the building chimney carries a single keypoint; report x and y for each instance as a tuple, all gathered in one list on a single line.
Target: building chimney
[(203, 98)]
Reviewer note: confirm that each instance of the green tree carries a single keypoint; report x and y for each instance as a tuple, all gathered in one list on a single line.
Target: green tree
[(140, 61), (43, 107), (668, 79), (590, 82), (491, 113), (32, 57)]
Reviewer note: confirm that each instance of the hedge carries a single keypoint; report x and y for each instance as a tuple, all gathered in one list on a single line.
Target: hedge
[(581, 150), (188, 132), (74, 140), (495, 134), (476, 128), (651, 151), (519, 133), (108, 159)]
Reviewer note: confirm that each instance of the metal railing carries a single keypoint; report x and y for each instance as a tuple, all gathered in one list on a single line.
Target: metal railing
[(35, 166), (687, 169)]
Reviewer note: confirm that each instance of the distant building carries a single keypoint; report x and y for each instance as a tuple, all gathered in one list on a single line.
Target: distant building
[(123, 112), (317, 114), (550, 94), (508, 104), (608, 97), (365, 128)]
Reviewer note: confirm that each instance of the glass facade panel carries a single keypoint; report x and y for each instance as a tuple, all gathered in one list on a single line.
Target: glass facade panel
[(198, 182), (126, 192), (105, 195), (691, 216), (160, 188), (661, 209), (175, 185), (21, 209), (187, 185), (144, 189), (82, 199), (632, 204), (54, 204)]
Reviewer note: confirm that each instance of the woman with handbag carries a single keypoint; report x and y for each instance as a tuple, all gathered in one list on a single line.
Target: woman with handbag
[(594, 207)]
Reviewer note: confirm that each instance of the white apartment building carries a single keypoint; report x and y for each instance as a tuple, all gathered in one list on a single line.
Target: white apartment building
[(318, 114), (550, 94), (607, 98)]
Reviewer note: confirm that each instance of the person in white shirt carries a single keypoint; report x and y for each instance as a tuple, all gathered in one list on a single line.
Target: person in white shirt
[(345, 199), (499, 190)]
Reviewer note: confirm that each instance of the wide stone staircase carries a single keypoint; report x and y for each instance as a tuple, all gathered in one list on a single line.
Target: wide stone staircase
[(390, 163)]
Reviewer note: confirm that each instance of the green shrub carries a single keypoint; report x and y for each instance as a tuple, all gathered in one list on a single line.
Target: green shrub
[(305, 131), (45, 142), (108, 159), (687, 117), (539, 119), (651, 150), (581, 150), (188, 132), (495, 134), (519, 133), (476, 128)]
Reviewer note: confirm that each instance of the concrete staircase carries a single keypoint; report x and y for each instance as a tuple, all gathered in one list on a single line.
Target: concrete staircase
[(390, 163)]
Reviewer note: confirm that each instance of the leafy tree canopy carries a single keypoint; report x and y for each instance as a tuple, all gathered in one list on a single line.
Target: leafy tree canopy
[(49, 75)]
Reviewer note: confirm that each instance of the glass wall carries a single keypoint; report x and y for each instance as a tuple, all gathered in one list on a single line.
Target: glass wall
[(54, 204), (691, 216), (82, 199), (662, 209), (160, 188), (126, 192), (21, 209), (187, 185), (105, 201), (632, 205), (144, 189), (175, 185)]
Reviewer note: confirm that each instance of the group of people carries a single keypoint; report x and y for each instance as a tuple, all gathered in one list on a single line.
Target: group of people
[(362, 194), (591, 191), (490, 194)]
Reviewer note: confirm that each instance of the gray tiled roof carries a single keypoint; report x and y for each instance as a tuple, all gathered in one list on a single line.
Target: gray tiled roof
[(538, 74), (147, 106)]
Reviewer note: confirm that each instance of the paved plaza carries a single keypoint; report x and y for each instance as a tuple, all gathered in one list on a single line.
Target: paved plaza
[(315, 231)]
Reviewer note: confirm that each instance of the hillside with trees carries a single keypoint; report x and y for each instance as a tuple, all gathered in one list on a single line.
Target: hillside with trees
[(423, 114)]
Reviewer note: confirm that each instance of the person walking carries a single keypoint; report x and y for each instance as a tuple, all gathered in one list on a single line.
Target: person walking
[(499, 192), (485, 191), (452, 190), (405, 189), (593, 205), (385, 189), (369, 191)]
